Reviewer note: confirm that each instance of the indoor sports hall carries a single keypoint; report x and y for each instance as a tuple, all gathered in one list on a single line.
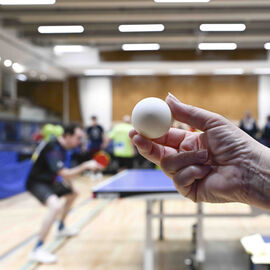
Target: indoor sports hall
[(134, 134)]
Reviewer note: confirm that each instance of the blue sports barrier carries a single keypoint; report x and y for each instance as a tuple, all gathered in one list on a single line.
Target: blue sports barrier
[(13, 178), (8, 157)]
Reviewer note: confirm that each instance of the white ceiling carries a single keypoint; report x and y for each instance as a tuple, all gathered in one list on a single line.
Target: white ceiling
[(101, 19)]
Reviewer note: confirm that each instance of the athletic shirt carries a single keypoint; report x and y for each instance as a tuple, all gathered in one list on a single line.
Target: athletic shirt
[(95, 135), (122, 146), (48, 158)]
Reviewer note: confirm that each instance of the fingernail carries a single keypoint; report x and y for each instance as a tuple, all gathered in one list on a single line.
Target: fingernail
[(202, 155), (173, 97)]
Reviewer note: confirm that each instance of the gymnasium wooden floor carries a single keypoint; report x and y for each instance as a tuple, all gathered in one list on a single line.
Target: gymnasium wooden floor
[(112, 234)]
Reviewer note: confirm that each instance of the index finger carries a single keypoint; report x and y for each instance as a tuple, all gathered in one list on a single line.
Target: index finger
[(172, 138), (151, 150)]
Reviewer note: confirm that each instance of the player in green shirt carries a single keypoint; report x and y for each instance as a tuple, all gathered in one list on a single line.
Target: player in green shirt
[(124, 150)]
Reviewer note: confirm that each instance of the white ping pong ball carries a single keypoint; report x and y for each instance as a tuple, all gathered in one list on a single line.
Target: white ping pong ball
[(151, 117)]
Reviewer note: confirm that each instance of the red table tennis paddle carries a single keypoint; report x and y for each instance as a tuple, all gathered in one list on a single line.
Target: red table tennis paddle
[(102, 158)]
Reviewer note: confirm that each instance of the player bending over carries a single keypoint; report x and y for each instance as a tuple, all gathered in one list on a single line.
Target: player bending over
[(41, 182)]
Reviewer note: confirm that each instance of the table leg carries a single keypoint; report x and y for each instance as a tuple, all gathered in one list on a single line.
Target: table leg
[(251, 265), (161, 220), (148, 251), (200, 253)]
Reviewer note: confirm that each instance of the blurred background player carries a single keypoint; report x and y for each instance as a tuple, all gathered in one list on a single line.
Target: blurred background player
[(248, 124), (95, 134), (123, 149), (265, 139), (48, 164)]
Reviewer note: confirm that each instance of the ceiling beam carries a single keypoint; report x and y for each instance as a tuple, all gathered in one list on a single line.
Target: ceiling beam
[(144, 18), (142, 4), (184, 41)]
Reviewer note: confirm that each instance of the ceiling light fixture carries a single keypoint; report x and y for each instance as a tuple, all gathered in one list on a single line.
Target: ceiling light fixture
[(43, 77), (182, 1), (217, 46), (7, 63), (261, 71), (99, 72), (267, 45), (18, 68), (27, 2), (22, 77), (59, 49), (141, 28), (184, 71), (139, 72), (141, 47), (228, 71), (230, 27), (54, 29)]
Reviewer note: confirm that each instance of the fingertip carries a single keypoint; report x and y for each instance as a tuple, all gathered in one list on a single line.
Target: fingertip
[(132, 133), (172, 98), (137, 138)]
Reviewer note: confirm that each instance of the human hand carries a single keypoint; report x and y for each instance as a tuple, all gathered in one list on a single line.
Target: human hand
[(222, 164), (92, 165)]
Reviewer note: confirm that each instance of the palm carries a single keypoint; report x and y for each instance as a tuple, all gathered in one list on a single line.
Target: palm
[(226, 153)]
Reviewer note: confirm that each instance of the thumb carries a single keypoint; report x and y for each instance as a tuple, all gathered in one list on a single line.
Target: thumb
[(193, 116)]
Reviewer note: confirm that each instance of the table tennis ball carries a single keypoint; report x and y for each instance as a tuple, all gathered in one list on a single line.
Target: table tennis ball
[(151, 117)]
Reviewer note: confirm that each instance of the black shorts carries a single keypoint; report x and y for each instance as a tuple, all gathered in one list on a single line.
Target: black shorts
[(126, 163), (42, 191)]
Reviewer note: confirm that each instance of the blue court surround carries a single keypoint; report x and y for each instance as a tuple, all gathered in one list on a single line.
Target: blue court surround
[(13, 177)]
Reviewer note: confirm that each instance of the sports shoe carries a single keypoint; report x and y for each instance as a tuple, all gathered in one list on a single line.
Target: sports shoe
[(67, 232), (40, 255), (93, 176), (99, 176)]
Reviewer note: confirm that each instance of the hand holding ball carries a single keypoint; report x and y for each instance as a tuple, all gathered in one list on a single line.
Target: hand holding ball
[(151, 117)]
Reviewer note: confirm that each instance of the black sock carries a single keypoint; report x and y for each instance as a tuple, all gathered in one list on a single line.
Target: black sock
[(61, 225), (39, 244)]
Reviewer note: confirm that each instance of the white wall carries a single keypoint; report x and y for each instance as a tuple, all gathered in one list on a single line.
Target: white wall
[(32, 113), (263, 99), (10, 85), (96, 99)]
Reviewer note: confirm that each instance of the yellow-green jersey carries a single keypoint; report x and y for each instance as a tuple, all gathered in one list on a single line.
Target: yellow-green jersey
[(122, 145)]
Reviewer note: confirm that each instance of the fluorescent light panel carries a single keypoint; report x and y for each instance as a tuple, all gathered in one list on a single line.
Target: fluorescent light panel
[(43, 77), (228, 71), (267, 45), (141, 47), (27, 2), (230, 27), (139, 72), (141, 28), (261, 71), (217, 46), (33, 73), (60, 29), (185, 71), (99, 72), (18, 68), (7, 63), (182, 1), (22, 77), (58, 49)]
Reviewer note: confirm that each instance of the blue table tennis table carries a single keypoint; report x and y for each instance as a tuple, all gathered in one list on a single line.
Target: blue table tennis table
[(154, 186)]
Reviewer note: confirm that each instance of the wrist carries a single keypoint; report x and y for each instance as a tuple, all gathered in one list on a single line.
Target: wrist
[(257, 176), (83, 166)]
